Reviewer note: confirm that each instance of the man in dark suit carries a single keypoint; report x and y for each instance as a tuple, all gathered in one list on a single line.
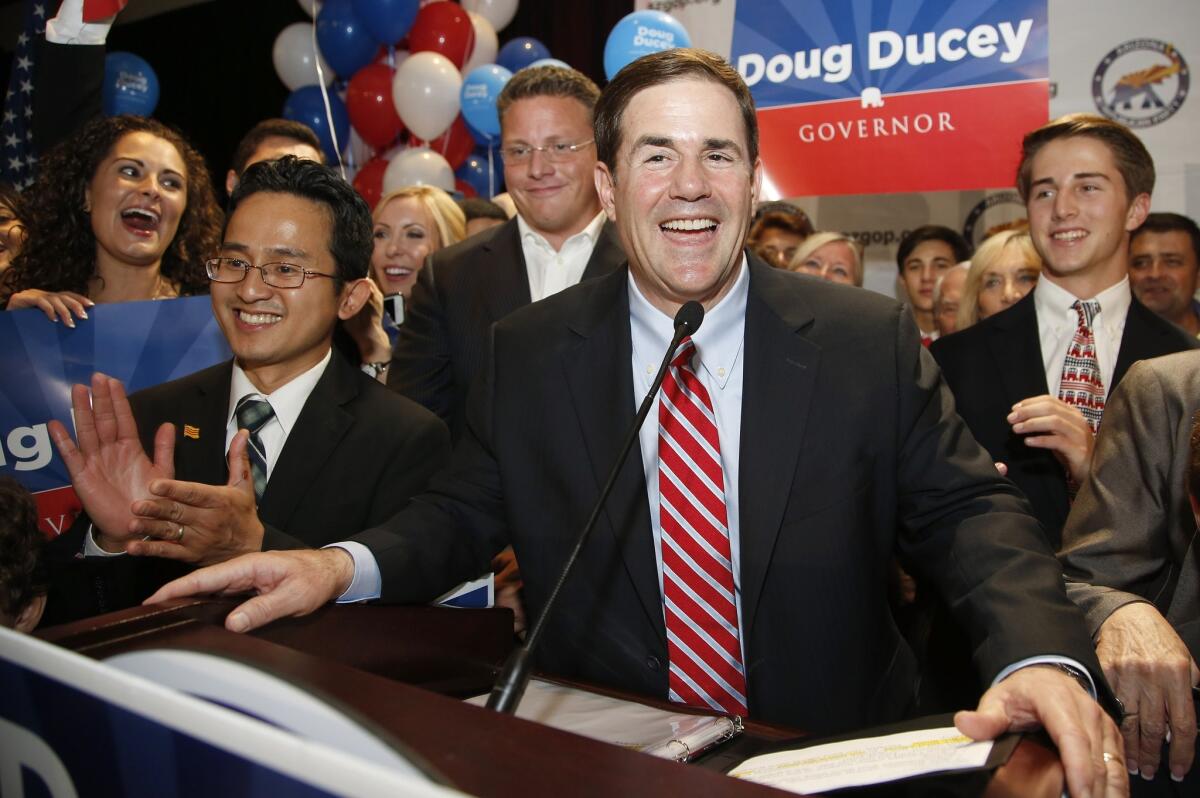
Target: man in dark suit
[(1086, 182), (1131, 560), (798, 429), (558, 237), (339, 451)]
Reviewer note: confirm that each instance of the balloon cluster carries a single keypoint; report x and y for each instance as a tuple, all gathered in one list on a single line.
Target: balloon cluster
[(411, 86)]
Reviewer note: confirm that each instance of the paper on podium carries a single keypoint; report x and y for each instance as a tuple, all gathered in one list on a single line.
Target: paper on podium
[(669, 735), (870, 760)]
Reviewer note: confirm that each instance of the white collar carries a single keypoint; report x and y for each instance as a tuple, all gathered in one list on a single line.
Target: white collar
[(591, 232), (287, 401)]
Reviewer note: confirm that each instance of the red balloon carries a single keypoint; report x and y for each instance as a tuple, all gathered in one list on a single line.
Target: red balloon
[(369, 103), (369, 180), (455, 145), (466, 188), (445, 28)]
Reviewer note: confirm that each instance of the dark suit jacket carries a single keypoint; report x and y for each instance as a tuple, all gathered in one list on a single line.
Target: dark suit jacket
[(355, 456), (998, 362), (460, 293), (848, 435)]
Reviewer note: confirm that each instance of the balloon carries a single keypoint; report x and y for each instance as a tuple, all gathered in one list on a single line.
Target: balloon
[(425, 92), (482, 139), (521, 52), (455, 145), (344, 40), (369, 104), (369, 180), (480, 89), (497, 12), (475, 173), (486, 44), (294, 59), (465, 188), (306, 105), (639, 34), (443, 27), (130, 85), (541, 62), (418, 167), (386, 20), (310, 7)]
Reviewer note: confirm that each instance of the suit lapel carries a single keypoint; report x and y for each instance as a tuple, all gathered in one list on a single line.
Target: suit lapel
[(205, 408), (779, 377), (606, 255), (600, 381), (318, 429), (1144, 337), (502, 276), (1014, 343)]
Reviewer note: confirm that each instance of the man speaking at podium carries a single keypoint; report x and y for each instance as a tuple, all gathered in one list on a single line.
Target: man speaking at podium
[(803, 436)]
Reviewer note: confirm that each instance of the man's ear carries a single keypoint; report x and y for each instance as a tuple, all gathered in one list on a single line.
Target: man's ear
[(31, 614), (355, 294), (605, 189), (231, 181), (1139, 209)]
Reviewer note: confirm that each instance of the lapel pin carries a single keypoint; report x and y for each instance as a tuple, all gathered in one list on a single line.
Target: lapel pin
[(191, 432)]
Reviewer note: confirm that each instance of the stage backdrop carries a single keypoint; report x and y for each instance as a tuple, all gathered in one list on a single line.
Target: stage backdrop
[(140, 343)]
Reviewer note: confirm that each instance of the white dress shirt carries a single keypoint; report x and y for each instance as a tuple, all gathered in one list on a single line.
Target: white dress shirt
[(550, 270), (68, 27), (1057, 322), (287, 402), (718, 365)]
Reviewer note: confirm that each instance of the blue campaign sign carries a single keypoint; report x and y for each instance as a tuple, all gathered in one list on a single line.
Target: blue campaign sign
[(802, 51), (140, 343)]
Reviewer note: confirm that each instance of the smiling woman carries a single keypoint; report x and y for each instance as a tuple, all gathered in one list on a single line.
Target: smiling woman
[(123, 211), (410, 225)]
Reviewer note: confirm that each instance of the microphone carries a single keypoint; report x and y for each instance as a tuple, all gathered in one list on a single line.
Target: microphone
[(514, 677)]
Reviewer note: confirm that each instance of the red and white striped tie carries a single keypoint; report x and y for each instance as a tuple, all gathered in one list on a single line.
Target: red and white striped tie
[(701, 614)]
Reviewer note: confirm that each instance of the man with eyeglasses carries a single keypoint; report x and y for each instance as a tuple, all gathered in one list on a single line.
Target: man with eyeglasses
[(558, 237), (324, 446)]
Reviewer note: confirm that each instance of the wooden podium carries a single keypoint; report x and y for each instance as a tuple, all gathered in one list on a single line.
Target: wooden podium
[(402, 672)]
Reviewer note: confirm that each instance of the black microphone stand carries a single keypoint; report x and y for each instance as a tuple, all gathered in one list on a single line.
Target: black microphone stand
[(514, 677)]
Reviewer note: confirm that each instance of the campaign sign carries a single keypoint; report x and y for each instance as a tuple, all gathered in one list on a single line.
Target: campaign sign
[(140, 343), (892, 95)]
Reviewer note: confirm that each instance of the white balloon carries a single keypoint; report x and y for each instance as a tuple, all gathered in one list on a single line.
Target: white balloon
[(310, 7), (295, 56), (418, 167), (425, 93), (486, 43), (497, 12)]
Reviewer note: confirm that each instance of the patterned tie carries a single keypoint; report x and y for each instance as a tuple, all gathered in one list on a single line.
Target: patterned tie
[(702, 622), (1082, 385), (252, 414)]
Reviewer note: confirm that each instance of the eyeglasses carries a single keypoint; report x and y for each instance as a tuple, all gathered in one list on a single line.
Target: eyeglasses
[(277, 275), (555, 152)]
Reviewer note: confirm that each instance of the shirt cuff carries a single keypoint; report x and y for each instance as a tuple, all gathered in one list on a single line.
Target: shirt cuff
[(367, 583), (68, 26), (92, 549), (1051, 659)]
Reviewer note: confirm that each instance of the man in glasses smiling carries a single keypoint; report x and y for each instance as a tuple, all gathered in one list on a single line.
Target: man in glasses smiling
[(320, 436), (558, 238)]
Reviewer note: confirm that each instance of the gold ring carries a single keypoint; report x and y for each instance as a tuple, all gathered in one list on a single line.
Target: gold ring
[(179, 534), (1108, 757)]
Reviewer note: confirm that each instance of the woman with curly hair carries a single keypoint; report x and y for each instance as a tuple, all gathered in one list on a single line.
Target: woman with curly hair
[(12, 227), (122, 211)]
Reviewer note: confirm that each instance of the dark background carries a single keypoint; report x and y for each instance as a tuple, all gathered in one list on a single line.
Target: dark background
[(213, 60)]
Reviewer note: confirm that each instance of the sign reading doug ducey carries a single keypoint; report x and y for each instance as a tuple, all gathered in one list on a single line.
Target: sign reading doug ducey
[(876, 96)]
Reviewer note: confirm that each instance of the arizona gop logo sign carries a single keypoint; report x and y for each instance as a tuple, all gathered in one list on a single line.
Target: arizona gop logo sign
[(1141, 83), (992, 214)]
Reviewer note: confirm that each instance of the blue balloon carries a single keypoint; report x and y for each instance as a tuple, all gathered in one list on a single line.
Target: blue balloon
[(130, 85), (480, 89), (639, 34), (521, 52), (475, 172), (343, 38), (481, 138), (387, 20), (305, 105), (549, 62)]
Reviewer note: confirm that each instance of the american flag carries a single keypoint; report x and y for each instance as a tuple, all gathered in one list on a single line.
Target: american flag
[(16, 131)]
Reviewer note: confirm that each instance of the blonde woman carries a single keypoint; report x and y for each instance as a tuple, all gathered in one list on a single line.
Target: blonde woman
[(835, 257), (1004, 269)]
